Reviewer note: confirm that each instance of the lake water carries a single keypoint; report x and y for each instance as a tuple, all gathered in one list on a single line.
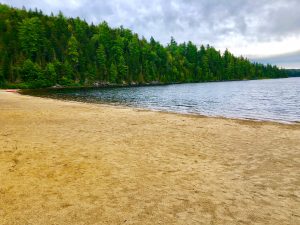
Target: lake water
[(271, 100)]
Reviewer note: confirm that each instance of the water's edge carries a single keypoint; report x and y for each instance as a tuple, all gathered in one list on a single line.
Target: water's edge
[(261, 100), (119, 105)]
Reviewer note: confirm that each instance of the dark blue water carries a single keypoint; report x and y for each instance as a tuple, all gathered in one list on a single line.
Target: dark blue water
[(272, 100)]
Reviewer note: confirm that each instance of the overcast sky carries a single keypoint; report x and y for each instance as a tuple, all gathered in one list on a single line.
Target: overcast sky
[(258, 29)]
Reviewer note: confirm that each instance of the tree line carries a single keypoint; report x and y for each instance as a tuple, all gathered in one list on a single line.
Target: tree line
[(38, 50), (293, 72)]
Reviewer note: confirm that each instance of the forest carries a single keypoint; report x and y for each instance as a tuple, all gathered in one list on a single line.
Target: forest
[(293, 72), (38, 50)]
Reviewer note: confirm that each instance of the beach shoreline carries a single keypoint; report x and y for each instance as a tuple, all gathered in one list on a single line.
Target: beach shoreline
[(136, 108), (66, 162)]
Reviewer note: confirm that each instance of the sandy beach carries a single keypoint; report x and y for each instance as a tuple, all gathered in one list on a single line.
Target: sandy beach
[(87, 164)]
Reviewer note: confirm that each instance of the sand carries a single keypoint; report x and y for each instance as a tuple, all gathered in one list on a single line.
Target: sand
[(77, 163)]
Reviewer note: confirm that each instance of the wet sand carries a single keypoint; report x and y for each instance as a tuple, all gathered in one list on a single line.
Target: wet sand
[(76, 163)]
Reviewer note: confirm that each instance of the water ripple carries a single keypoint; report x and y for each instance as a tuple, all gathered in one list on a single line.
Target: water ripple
[(273, 100)]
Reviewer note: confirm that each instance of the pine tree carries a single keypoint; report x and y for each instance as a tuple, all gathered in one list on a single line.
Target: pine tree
[(101, 57), (122, 68), (31, 36), (50, 73), (68, 51), (113, 73), (73, 55)]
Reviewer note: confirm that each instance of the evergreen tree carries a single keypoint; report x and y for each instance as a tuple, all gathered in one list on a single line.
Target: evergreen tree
[(134, 56), (44, 50), (31, 71), (31, 36), (113, 73), (50, 73), (101, 57), (73, 54), (122, 68)]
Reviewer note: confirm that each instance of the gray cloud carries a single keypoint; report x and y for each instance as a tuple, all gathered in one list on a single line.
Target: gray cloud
[(288, 60), (221, 23), (282, 20)]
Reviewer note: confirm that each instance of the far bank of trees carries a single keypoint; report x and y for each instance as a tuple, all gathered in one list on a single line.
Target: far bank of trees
[(38, 50), (293, 72)]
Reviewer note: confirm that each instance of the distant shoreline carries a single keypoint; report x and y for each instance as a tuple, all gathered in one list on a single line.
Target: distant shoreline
[(109, 85)]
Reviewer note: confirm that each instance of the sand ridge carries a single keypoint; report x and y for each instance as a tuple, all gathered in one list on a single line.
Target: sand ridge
[(74, 163)]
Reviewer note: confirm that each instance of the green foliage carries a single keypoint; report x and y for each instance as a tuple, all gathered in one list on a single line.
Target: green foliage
[(101, 58), (31, 36), (293, 72), (67, 77), (33, 76), (122, 68), (17, 86), (38, 51), (50, 73), (73, 54), (1, 78), (31, 71), (113, 72)]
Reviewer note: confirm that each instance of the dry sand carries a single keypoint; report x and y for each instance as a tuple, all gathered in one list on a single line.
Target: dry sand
[(76, 163)]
